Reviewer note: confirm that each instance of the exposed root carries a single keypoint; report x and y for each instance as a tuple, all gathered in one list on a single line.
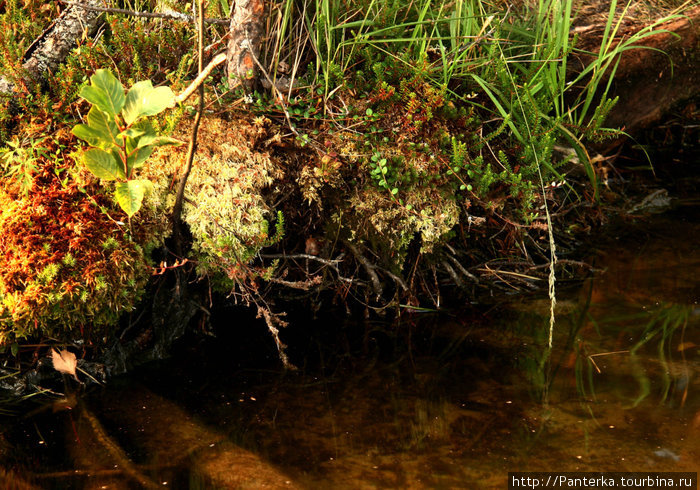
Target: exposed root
[(452, 274), (397, 279), (461, 268), (369, 268)]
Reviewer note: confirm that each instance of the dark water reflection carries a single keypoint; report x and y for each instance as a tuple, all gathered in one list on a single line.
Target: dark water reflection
[(450, 401)]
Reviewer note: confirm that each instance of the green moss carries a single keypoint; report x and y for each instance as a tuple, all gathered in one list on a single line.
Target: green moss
[(374, 217), (225, 209)]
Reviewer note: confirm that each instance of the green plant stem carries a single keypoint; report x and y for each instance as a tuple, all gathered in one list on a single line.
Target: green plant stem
[(177, 209)]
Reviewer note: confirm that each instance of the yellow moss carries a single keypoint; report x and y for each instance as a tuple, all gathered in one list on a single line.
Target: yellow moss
[(224, 206), (425, 211)]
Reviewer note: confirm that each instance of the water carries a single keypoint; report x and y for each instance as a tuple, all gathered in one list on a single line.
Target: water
[(439, 401)]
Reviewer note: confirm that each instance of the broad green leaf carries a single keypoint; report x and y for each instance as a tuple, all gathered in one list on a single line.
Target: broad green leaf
[(136, 100), (131, 133), (106, 92), (146, 140), (154, 140), (149, 135), (158, 100), (91, 136), (138, 157), (95, 96), (102, 164), (117, 155), (105, 126), (130, 194), (166, 141), (130, 145), (144, 100)]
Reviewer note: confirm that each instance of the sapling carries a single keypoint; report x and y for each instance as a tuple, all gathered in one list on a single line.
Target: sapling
[(121, 136)]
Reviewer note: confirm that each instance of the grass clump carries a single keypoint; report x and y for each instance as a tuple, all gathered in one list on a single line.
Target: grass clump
[(465, 100)]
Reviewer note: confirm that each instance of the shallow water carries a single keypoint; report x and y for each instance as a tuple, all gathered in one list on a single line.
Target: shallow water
[(455, 400)]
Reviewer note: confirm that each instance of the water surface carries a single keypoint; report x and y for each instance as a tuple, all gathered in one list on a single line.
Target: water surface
[(455, 400)]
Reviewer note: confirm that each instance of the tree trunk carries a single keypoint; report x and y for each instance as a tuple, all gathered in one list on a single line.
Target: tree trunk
[(650, 81), (246, 33), (49, 50)]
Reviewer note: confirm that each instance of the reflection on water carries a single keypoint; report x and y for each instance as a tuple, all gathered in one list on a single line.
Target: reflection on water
[(450, 401)]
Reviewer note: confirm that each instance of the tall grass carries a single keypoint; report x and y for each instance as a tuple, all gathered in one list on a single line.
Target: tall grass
[(520, 60)]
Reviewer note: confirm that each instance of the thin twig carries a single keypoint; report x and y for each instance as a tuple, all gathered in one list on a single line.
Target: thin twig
[(149, 15), (177, 209)]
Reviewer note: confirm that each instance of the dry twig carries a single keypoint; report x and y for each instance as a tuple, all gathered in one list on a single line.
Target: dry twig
[(148, 15)]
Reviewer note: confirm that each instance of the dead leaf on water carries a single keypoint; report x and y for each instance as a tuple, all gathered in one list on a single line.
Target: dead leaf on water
[(64, 362), (686, 345)]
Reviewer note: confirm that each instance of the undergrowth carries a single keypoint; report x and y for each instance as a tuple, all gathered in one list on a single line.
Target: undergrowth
[(397, 135)]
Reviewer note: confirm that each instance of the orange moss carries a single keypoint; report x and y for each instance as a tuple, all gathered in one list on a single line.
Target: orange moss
[(64, 263)]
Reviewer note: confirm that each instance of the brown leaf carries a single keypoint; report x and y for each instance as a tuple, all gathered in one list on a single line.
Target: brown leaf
[(64, 362)]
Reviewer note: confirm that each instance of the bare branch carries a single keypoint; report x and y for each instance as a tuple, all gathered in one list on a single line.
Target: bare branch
[(148, 15), (184, 95), (332, 263), (177, 209), (303, 285), (329, 262)]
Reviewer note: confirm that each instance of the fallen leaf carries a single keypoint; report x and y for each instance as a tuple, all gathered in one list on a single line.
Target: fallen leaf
[(64, 362)]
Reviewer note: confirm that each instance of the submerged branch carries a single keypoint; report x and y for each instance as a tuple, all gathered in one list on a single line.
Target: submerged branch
[(273, 321)]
